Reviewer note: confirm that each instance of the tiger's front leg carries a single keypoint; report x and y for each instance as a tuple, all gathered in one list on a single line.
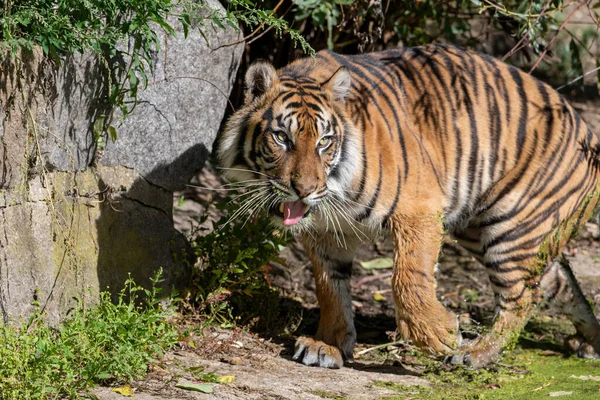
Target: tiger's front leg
[(331, 258), (420, 316)]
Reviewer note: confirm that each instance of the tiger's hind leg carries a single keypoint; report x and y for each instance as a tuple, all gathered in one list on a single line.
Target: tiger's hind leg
[(511, 275), (559, 285), (515, 266)]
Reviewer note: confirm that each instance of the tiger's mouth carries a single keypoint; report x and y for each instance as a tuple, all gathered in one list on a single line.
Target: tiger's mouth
[(291, 212)]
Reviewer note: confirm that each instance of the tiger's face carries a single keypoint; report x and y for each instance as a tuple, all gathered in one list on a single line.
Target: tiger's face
[(289, 144)]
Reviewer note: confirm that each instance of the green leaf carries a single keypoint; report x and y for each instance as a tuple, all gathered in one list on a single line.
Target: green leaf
[(112, 131), (103, 375), (99, 125), (133, 80), (197, 387), (576, 64), (378, 263), (185, 23)]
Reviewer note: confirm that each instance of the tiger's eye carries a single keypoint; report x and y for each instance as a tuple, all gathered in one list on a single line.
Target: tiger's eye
[(282, 137), (324, 142)]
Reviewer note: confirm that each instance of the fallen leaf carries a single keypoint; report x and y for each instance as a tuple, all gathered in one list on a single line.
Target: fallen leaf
[(586, 377), (226, 378), (357, 304), (378, 263), (126, 391), (378, 296), (557, 394), (197, 387), (544, 386), (550, 353), (236, 361)]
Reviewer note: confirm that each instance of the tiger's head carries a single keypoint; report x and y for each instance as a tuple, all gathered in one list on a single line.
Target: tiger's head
[(291, 144)]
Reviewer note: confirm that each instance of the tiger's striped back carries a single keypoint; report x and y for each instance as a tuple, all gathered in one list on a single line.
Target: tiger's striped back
[(448, 120)]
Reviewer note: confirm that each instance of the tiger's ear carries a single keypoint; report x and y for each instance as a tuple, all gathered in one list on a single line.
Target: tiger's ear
[(260, 77), (338, 85)]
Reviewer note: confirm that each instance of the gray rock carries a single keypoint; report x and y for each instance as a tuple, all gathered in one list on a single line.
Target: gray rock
[(72, 223), (65, 123), (180, 111)]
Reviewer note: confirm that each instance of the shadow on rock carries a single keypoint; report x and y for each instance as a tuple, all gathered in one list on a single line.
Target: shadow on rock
[(136, 236)]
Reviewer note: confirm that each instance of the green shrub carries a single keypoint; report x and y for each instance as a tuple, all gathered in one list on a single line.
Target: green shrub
[(118, 30), (109, 343), (230, 282)]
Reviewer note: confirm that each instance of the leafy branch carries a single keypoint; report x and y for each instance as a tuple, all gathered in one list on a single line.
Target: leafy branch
[(118, 30)]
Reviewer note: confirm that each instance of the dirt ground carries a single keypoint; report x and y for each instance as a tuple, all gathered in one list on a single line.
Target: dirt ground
[(262, 367)]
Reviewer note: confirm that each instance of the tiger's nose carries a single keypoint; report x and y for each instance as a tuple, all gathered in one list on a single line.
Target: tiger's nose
[(303, 191)]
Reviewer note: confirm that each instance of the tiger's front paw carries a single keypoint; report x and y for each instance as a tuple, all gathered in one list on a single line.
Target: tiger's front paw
[(440, 336), (317, 353)]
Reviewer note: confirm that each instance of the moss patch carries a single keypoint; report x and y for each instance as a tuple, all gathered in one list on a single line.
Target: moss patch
[(525, 374), (327, 395), (534, 369)]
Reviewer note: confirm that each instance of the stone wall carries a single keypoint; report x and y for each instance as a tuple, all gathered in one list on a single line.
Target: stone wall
[(73, 223)]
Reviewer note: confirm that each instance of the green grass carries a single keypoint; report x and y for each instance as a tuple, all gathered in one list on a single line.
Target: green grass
[(327, 395), (109, 343), (550, 373), (536, 367), (524, 373)]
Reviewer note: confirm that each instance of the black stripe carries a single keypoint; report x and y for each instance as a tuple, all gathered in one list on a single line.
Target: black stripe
[(505, 284), (341, 271), (496, 264), (371, 205), (522, 131), (514, 299), (239, 147)]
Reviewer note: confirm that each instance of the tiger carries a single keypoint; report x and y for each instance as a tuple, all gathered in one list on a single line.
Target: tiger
[(423, 144)]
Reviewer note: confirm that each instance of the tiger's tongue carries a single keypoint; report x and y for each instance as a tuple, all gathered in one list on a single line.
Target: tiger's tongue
[(293, 212)]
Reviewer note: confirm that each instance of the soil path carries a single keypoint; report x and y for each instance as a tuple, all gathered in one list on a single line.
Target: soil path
[(269, 377)]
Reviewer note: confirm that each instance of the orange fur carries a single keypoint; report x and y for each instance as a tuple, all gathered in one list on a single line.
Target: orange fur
[(422, 142)]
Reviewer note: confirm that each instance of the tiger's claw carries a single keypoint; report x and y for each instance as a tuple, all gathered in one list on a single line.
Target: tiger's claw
[(477, 353), (472, 357), (577, 344), (317, 353)]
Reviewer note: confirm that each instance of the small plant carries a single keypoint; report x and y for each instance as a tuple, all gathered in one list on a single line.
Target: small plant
[(471, 295), (231, 278), (262, 18), (109, 343), (200, 375)]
